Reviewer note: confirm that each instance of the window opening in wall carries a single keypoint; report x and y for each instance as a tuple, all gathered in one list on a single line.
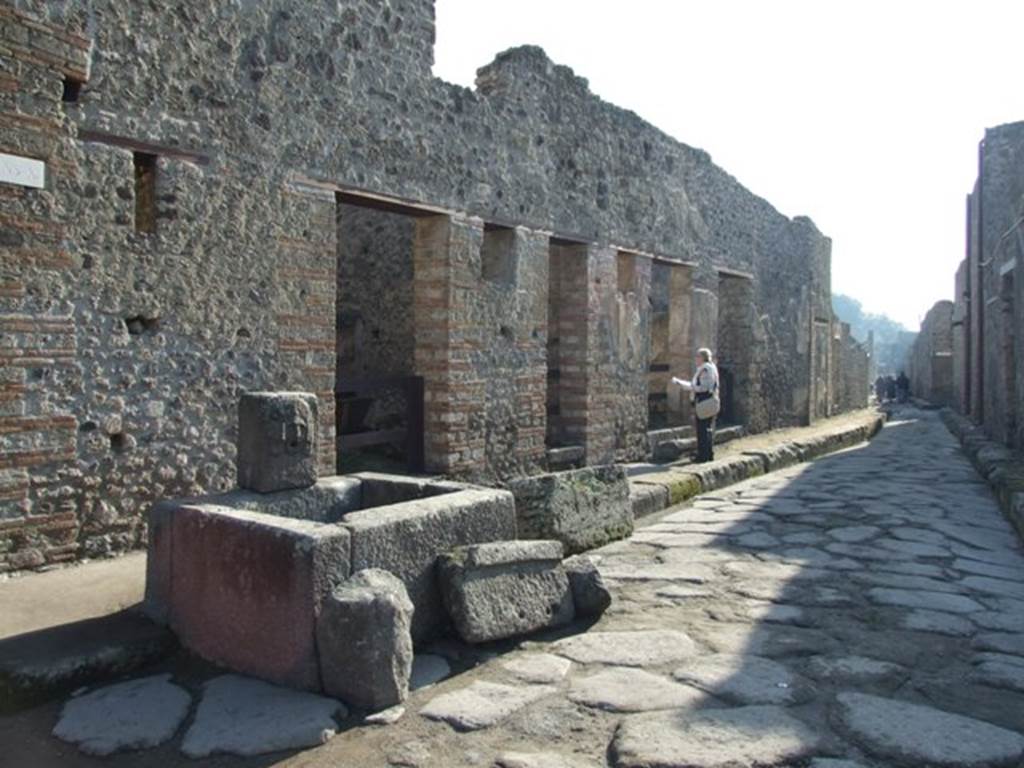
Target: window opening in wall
[(72, 90), (145, 192), (497, 255)]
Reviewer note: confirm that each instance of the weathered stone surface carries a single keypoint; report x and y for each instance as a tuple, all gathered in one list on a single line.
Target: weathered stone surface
[(277, 440), (589, 593), (854, 534), (482, 704), (747, 737), (621, 689), (646, 499), (542, 760), (241, 588), (406, 540), (939, 622), (723, 472), (640, 648), (936, 601), (364, 641), (241, 716), (538, 667), (743, 679), (504, 589), (1001, 642), (855, 670), (1000, 674), (918, 735), (133, 715), (581, 508)]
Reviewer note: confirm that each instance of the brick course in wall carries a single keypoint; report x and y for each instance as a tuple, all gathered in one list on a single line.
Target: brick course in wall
[(185, 249)]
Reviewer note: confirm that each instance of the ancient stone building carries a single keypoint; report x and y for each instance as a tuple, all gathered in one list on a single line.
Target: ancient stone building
[(930, 360), (988, 314), (209, 198)]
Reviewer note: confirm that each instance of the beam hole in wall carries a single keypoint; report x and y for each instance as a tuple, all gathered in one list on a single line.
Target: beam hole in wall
[(146, 166), (138, 325), (72, 90), (498, 255), (118, 442)]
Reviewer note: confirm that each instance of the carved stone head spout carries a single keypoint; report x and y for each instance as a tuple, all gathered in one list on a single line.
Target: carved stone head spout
[(277, 437)]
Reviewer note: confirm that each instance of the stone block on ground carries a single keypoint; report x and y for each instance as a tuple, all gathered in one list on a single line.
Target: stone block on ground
[(723, 472), (242, 589), (504, 589), (746, 737), (406, 539), (137, 714), (364, 641), (582, 508), (589, 593), (646, 499), (277, 440), (914, 734), (482, 704), (670, 450), (242, 716), (679, 485)]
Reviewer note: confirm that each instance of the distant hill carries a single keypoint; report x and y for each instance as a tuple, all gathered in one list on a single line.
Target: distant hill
[(892, 339)]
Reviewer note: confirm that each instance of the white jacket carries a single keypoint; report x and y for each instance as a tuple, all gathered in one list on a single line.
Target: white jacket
[(706, 378)]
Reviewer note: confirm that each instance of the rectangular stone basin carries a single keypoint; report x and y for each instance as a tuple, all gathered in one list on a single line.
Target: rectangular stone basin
[(240, 576)]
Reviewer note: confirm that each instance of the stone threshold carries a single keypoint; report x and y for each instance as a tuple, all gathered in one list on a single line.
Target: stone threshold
[(1001, 467), (657, 490)]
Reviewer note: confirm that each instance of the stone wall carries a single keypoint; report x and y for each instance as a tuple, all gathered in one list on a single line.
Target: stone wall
[(987, 323), (930, 362), (185, 249)]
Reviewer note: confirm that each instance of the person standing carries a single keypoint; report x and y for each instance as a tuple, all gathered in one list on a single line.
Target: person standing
[(704, 386)]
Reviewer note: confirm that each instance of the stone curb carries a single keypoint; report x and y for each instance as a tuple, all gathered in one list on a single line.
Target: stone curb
[(653, 492), (1000, 467)]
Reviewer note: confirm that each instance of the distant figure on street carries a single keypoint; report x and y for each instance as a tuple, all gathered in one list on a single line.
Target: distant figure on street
[(880, 389), (890, 388), (704, 395), (903, 387)]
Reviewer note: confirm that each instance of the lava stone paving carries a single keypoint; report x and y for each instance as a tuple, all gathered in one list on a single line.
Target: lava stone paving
[(866, 609), (863, 610)]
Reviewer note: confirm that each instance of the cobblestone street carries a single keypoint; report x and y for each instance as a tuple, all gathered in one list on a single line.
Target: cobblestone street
[(864, 609), (868, 607)]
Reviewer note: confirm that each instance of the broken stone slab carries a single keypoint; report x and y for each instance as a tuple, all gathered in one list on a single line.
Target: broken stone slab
[(241, 716), (626, 689), (589, 593), (743, 679), (914, 734), (670, 450), (364, 641), (538, 668), (277, 439), (504, 589), (746, 737), (582, 508), (482, 704), (137, 714), (406, 540), (637, 648)]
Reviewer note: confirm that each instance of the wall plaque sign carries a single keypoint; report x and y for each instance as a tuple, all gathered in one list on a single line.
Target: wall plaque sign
[(23, 171)]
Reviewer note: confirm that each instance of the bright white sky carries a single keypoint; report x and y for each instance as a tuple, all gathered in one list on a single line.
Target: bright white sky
[(864, 115)]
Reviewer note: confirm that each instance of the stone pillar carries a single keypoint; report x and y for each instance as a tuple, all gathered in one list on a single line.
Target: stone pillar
[(680, 349), (446, 265), (583, 281)]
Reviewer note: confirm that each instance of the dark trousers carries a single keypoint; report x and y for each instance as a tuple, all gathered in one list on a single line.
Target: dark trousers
[(705, 440)]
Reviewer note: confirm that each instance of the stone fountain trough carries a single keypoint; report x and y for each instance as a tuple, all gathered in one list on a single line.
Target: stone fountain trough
[(240, 576)]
